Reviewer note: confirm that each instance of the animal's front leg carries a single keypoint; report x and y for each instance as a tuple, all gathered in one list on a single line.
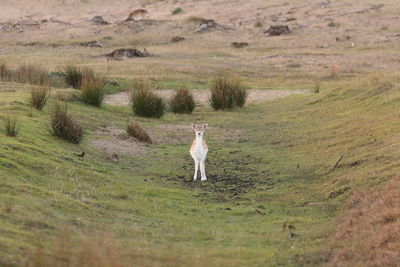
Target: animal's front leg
[(196, 169), (203, 171)]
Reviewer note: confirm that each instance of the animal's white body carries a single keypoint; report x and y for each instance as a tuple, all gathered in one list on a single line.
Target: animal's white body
[(198, 151)]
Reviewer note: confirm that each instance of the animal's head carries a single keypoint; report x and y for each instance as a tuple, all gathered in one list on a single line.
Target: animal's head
[(199, 129)]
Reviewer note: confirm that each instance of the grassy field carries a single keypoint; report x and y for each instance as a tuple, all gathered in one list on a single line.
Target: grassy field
[(271, 198)]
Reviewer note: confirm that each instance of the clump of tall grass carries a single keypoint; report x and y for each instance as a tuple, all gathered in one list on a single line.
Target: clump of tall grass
[(93, 90), (182, 101), (135, 130), (39, 96), (5, 72), (74, 76), (227, 93), (64, 125), (31, 73), (10, 127), (145, 102)]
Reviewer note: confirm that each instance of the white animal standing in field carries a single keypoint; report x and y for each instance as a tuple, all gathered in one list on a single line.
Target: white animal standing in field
[(199, 151)]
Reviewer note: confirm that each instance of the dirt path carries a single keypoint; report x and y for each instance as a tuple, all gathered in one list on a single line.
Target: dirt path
[(255, 97)]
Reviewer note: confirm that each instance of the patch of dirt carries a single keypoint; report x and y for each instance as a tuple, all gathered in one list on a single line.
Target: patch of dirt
[(228, 176), (201, 97), (117, 142)]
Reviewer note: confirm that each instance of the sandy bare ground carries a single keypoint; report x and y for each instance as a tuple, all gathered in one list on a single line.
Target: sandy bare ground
[(201, 97)]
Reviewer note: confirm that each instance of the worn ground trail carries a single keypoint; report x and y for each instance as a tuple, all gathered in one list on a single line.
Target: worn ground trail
[(201, 96)]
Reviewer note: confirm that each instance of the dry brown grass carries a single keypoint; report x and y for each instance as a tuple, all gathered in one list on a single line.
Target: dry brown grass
[(369, 231), (182, 101), (31, 73), (136, 131), (227, 92), (92, 251), (92, 88), (64, 125), (39, 96)]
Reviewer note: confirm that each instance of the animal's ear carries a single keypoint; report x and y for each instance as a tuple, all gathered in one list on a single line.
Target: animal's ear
[(205, 125), (193, 126)]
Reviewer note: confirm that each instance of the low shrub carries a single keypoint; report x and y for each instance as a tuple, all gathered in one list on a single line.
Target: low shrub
[(74, 76), (177, 11), (145, 102), (227, 93), (138, 132), (10, 127), (182, 101), (39, 96), (64, 125), (30, 73), (93, 90)]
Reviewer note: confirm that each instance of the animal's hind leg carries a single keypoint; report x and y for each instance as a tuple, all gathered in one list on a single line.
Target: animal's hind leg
[(196, 169), (203, 171)]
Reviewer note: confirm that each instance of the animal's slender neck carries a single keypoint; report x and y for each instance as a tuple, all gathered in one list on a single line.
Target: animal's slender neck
[(199, 139)]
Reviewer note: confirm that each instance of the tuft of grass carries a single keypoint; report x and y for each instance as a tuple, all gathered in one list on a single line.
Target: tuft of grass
[(30, 73), (227, 93), (258, 24), (74, 76), (177, 11), (10, 127), (182, 101), (93, 90), (5, 72), (145, 102), (64, 125), (317, 87), (136, 131), (39, 96)]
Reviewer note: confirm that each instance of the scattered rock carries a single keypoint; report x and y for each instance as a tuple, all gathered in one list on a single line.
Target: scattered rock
[(127, 53), (239, 44), (343, 38), (113, 157), (333, 24), (207, 25), (177, 39), (9, 165), (276, 30), (90, 44), (98, 20)]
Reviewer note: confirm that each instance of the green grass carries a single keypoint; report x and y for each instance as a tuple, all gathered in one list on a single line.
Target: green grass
[(264, 163)]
